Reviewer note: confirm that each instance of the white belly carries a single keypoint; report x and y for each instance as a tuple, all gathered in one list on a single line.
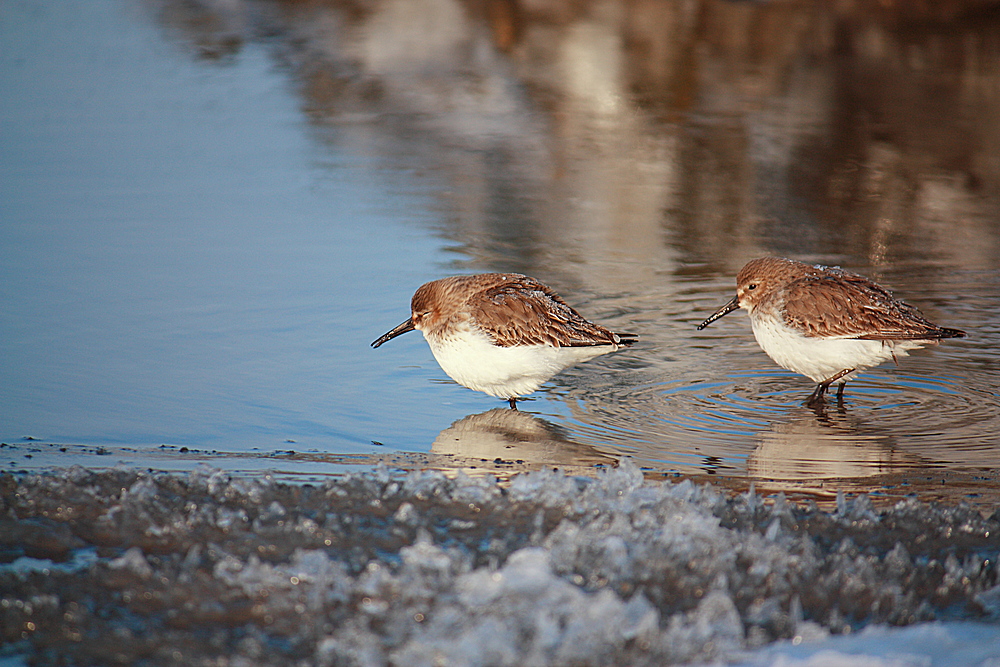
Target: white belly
[(473, 361), (822, 358)]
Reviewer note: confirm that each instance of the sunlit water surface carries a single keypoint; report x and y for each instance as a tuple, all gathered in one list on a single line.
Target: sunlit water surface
[(200, 239)]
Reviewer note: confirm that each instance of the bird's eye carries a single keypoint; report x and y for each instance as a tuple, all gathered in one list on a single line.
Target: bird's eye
[(752, 286)]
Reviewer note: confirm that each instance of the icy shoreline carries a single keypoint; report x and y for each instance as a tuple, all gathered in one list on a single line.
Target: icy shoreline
[(424, 568)]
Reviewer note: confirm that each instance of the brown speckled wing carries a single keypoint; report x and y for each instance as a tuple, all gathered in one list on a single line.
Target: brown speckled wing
[(843, 304), (522, 311)]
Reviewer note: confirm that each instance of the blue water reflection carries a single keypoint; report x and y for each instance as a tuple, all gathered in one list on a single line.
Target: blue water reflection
[(209, 210), (181, 262)]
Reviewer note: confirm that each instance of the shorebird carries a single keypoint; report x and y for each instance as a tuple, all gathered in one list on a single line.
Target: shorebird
[(826, 323), (503, 333)]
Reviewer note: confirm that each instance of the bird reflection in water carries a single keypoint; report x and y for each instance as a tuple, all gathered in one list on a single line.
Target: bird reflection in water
[(820, 444), (512, 437)]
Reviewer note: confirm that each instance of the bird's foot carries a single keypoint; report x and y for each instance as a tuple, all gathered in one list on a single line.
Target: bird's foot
[(815, 399)]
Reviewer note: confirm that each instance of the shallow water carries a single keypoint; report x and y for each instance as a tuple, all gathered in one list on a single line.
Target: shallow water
[(211, 209)]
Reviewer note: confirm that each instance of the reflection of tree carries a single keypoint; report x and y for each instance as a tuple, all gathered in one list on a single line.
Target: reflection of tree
[(213, 30), (809, 127), (629, 131)]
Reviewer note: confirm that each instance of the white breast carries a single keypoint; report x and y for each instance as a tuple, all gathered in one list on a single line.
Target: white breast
[(470, 358), (822, 358)]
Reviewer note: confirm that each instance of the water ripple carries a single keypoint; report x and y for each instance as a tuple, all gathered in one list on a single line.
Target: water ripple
[(754, 422)]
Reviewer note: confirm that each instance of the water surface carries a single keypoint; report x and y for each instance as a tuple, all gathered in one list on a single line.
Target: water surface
[(210, 210)]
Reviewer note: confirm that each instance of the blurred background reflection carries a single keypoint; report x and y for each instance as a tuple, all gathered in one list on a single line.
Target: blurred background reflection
[(211, 207)]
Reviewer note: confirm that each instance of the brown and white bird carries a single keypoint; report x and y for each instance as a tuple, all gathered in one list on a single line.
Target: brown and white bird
[(503, 333), (826, 323)]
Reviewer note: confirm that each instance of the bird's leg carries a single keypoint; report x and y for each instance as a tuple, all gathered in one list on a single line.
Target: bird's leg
[(816, 397), (840, 390), (821, 388), (513, 402)]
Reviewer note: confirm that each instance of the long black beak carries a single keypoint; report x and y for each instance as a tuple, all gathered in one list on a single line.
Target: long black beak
[(725, 310), (401, 329)]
